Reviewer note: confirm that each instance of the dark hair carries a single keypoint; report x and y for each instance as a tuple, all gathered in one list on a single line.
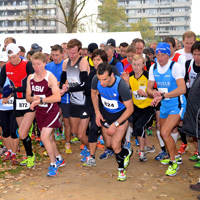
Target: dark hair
[(138, 40), (11, 38), (123, 44), (195, 46), (30, 53), (57, 47), (103, 55), (103, 67), (74, 42), (171, 40), (22, 49), (146, 51)]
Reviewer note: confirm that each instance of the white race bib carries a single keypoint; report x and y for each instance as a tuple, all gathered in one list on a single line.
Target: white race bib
[(44, 105), (10, 102), (110, 104), (137, 96), (22, 104)]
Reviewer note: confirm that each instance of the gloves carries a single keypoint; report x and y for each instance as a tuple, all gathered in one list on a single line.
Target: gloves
[(7, 91)]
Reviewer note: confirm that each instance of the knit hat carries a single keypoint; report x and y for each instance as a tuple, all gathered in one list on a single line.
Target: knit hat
[(163, 47)]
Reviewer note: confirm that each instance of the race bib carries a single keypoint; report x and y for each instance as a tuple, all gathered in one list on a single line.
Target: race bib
[(10, 102), (137, 96), (44, 105), (110, 104), (22, 104), (165, 90)]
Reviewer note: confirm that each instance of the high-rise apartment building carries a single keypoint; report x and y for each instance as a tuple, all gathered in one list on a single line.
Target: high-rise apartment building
[(168, 17), (30, 16)]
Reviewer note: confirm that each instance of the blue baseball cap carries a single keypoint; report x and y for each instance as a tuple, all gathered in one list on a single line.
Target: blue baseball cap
[(163, 47)]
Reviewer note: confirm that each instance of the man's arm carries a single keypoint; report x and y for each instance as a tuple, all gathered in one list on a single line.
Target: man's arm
[(2, 78), (29, 98)]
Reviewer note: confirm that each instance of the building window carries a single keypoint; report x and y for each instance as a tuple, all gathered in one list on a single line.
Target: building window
[(179, 19), (151, 1), (179, 9), (151, 11), (133, 20), (152, 20), (165, 10), (134, 2)]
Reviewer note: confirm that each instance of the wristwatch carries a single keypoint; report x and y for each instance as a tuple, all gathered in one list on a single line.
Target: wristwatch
[(41, 100), (163, 96), (117, 124)]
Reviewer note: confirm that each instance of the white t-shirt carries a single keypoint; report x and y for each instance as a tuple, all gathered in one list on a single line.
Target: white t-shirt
[(176, 70), (188, 56), (181, 61)]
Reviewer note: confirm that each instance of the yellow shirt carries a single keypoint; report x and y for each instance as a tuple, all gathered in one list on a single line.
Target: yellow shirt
[(136, 84)]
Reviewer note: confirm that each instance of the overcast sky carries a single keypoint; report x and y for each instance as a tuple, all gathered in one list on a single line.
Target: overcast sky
[(195, 24)]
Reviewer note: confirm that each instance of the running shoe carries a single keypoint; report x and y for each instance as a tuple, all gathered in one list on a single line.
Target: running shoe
[(154, 123), (106, 153), (195, 157), (63, 136), (183, 148), (38, 139), (1, 143), (100, 146), (82, 146), (166, 161), (197, 165), (32, 136), (84, 151), (52, 171), (84, 159), (68, 149), (137, 142), (172, 169), (127, 158), (24, 162), (100, 140), (7, 156), (60, 163), (75, 140), (90, 162), (127, 145), (149, 131), (150, 149), (44, 153), (162, 155), (57, 136), (195, 187), (13, 159), (31, 161), (142, 156), (121, 174)]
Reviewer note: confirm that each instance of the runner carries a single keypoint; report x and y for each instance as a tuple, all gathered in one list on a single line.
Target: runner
[(171, 87), (113, 120), (17, 71), (43, 93)]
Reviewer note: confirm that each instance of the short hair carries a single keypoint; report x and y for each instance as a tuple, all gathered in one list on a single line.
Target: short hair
[(103, 67), (195, 46), (83, 49), (63, 43), (57, 47), (147, 51), (39, 56), (123, 44), (101, 53), (22, 49), (131, 48), (107, 47), (30, 53), (11, 38), (153, 43), (189, 34), (171, 40), (74, 42), (140, 40), (137, 57)]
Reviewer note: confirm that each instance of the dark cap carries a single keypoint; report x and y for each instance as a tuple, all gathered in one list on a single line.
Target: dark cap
[(35, 47), (111, 42), (92, 47)]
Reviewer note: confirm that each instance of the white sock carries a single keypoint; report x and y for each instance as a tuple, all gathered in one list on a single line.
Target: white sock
[(10, 151), (175, 136), (53, 164), (128, 133), (162, 144), (13, 153), (59, 157)]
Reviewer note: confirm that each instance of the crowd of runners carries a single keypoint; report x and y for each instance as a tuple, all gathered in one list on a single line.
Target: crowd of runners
[(100, 96)]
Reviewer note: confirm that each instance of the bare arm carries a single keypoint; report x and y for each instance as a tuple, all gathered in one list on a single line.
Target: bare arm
[(29, 98), (95, 102)]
